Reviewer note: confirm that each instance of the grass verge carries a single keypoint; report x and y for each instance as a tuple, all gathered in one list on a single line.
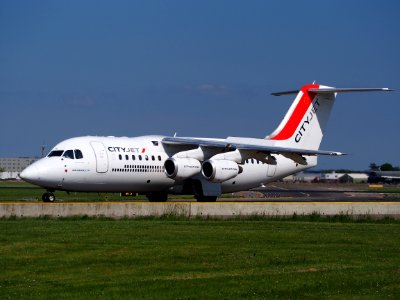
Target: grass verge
[(180, 258)]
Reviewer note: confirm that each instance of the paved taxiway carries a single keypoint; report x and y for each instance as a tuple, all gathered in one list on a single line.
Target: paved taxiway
[(324, 196)]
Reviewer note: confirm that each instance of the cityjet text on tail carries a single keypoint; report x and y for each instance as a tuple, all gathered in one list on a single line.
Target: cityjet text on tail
[(204, 167)]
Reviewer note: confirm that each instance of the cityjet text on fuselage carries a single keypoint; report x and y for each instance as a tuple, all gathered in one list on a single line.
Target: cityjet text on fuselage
[(309, 117), (125, 150)]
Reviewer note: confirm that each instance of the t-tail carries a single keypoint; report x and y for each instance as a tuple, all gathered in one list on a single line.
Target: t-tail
[(304, 124)]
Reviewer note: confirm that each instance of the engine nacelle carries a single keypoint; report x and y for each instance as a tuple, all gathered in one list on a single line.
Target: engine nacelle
[(220, 170), (181, 168)]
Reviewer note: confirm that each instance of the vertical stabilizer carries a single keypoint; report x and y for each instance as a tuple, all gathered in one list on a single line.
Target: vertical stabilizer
[(304, 124)]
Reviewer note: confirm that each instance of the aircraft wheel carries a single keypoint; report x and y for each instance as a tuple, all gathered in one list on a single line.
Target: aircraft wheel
[(206, 198), (51, 197), (44, 197), (48, 197)]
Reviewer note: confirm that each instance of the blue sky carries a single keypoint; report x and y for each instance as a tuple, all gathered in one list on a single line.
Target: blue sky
[(198, 68)]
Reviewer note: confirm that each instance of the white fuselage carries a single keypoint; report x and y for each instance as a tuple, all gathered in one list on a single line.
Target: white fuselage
[(121, 164)]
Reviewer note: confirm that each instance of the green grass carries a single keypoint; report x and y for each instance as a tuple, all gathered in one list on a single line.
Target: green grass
[(172, 258), (15, 183), (34, 194)]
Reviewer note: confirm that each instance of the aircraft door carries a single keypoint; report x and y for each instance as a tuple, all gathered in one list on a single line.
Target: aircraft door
[(100, 153), (271, 170)]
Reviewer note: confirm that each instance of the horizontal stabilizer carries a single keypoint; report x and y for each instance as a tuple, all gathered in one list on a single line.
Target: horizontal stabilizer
[(334, 90), (348, 90), (285, 93)]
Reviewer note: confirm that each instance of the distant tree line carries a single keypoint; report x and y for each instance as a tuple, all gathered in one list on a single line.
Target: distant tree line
[(372, 167), (383, 167), (342, 171)]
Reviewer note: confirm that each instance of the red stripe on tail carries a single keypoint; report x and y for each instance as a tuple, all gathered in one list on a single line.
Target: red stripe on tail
[(297, 114)]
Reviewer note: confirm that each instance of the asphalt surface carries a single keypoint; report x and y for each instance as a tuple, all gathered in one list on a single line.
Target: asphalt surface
[(316, 193)]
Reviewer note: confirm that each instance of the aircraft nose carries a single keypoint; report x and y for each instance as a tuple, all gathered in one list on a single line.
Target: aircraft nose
[(43, 173), (30, 174)]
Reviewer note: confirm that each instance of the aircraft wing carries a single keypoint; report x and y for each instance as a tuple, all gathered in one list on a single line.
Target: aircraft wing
[(231, 146)]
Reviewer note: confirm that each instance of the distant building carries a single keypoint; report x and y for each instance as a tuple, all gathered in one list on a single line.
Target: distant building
[(15, 164), (303, 177), (307, 177), (289, 178), (345, 177), (354, 178), (331, 177)]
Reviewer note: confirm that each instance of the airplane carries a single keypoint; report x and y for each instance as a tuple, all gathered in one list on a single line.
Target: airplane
[(156, 165)]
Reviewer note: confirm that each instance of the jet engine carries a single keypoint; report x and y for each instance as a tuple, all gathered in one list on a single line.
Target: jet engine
[(220, 170), (181, 168)]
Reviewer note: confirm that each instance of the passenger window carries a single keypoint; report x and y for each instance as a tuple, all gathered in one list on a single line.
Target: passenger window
[(252, 161), (153, 158), (127, 157), (69, 154), (146, 157), (78, 154), (133, 157), (140, 157), (159, 157), (120, 157)]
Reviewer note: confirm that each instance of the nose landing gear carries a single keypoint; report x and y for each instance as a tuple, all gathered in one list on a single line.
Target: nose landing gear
[(48, 197)]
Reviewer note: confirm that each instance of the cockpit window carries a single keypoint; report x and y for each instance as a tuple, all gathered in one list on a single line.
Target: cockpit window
[(78, 154), (69, 154), (55, 153)]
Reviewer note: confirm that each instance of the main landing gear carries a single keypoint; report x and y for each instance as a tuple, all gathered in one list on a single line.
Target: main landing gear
[(48, 197)]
